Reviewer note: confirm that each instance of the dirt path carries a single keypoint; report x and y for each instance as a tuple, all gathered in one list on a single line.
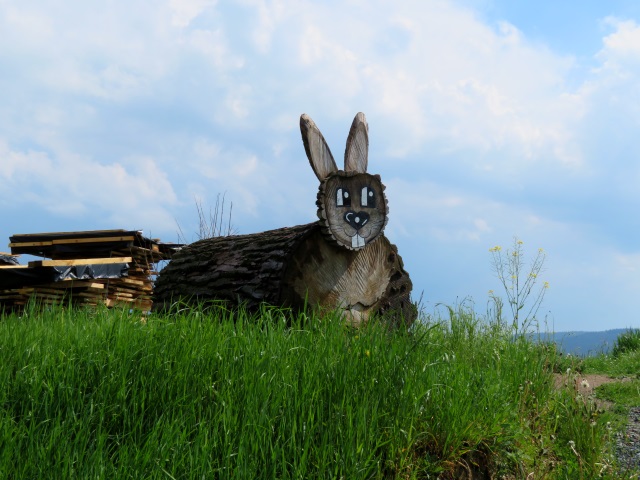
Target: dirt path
[(587, 384), (627, 443)]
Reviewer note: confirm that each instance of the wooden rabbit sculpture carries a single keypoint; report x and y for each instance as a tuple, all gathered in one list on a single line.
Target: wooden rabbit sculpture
[(343, 261)]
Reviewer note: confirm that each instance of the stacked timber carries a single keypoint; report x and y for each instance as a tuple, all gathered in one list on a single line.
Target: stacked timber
[(108, 267)]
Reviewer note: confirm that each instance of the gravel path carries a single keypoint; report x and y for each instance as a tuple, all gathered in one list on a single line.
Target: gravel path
[(628, 443)]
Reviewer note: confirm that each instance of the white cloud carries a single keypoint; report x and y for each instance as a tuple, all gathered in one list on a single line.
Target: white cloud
[(185, 11), (270, 14), (621, 45), (14, 166), (36, 23), (239, 173), (133, 191), (447, 77), (628, 263), (213, 44), (86, 49)]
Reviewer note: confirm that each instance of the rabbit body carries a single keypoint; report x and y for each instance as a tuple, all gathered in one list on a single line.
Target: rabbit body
[(342, 261)]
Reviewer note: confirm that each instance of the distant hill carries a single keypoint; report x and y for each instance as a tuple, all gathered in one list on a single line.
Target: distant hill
[(582, 343)]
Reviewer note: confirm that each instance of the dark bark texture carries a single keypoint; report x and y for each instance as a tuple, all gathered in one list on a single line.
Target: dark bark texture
[(291, 267)]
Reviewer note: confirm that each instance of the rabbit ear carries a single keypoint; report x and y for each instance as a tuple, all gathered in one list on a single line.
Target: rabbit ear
[(356, 155), (317, 149)]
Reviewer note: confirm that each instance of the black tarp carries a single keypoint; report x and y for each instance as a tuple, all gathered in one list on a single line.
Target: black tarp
[(23, 277), (8, 260)]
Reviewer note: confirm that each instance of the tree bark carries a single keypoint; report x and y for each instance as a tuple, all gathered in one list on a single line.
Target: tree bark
[(291, 267)]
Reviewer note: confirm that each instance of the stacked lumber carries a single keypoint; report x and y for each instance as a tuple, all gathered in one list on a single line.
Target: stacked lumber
[(99, 267)]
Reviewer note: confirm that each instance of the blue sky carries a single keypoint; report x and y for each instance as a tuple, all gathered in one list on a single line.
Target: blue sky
[(488, 120)]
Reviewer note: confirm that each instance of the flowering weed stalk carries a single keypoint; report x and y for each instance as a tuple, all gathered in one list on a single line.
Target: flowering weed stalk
[(518, 284)]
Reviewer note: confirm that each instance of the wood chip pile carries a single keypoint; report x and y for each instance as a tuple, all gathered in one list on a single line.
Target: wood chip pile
[(110, 267)]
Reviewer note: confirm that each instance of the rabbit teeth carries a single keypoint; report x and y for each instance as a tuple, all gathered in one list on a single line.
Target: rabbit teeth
[(357, 241)]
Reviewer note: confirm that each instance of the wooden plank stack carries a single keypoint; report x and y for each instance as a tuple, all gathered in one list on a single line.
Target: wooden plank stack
[(110, 267)]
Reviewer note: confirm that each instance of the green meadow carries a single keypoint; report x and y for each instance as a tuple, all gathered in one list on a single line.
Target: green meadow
[(216, 393)]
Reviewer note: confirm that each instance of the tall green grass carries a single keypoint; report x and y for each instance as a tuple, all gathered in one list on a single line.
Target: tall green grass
[(222, 394)]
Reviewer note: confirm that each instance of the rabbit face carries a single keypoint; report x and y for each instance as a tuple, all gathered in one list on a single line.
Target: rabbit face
[(353, 208), (351, 203)]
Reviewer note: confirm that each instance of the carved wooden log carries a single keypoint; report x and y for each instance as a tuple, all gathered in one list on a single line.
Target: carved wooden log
[(342, 261), (292, 267)]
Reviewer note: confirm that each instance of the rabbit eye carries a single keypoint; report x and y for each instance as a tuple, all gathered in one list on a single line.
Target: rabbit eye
[(368, 198), (343, 199)]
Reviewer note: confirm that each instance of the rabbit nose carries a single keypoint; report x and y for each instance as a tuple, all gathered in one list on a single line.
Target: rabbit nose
[(356, 219)]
